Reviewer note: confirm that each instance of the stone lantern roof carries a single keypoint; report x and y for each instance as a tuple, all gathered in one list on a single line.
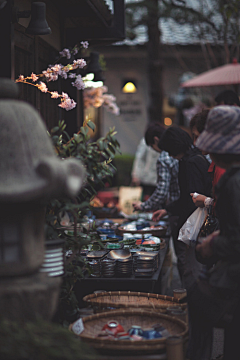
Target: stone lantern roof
[(29, 167)]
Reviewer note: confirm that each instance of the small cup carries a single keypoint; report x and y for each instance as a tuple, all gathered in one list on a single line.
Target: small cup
[(99, 291), (179, 294), (127, 236), (180, 314), (135, 330), (173, 308), (113, 327)]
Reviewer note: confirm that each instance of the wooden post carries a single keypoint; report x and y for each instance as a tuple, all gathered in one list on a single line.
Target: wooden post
[(6, 42)]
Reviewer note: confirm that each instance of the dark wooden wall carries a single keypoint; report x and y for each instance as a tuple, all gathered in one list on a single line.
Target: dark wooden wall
[(33, 54)]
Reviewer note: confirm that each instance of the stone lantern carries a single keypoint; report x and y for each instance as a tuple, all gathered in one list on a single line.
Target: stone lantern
[(30, 174)]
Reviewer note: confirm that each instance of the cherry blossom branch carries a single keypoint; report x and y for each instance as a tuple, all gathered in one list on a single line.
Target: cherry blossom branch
[(95, 97), (54, 71)]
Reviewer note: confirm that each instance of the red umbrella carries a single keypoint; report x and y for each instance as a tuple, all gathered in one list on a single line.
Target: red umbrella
[(223, 75)]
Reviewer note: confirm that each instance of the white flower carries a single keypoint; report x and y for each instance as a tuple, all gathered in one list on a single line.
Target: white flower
[(47, 75), (79, 63), (56, 68), (63, 74), (54, 94), (104, 88), (78, 83), (42, 87), (21, 77), (54, 77), (34, 77), (68, 104), (85, 44), (65, 95), (72, 75), (109, 98), (65, 53)]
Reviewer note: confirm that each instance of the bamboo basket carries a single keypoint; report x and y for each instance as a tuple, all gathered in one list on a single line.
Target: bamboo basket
[(133, 300), (127, 318)]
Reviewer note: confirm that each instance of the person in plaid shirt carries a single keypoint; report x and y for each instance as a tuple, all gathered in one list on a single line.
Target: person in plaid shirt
[(167, 189)]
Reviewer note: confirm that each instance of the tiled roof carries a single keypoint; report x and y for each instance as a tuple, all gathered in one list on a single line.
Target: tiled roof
[(173, 33)]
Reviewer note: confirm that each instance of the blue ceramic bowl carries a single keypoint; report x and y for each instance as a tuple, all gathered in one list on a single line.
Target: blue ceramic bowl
[(106, 231), (151, 334), (136, 330)]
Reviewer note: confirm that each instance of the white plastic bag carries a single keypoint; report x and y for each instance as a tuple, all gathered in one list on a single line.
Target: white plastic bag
[(190, 229)]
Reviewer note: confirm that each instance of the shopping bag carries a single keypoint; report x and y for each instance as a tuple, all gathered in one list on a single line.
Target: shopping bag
[(128, 195), (209, 225), (190, 229)]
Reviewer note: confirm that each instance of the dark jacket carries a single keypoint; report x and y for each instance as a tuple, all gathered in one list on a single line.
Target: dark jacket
[(226, 246), (193, 177)]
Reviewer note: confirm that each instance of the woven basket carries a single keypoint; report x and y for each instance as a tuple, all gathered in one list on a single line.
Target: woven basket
[(129, 299), (155, 232), (127, 318)]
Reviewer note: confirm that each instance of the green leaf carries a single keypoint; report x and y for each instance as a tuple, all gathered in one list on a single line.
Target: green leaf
[(55, 129), (91, 125)]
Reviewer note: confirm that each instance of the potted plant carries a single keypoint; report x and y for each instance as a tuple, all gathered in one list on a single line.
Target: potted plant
[(97, 158)]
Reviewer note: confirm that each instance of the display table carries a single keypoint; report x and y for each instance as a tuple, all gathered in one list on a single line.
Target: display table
[(88, 284)]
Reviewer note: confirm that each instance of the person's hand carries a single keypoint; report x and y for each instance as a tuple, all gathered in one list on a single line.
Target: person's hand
[(205, 248), (135, 181), (198, 200), (157, 215), (137, 205)]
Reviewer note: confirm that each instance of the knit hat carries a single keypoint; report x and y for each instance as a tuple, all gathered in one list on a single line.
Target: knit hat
[(175, 141), (222, 131)]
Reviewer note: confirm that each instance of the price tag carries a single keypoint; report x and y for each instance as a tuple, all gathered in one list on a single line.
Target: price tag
[(78, 327)]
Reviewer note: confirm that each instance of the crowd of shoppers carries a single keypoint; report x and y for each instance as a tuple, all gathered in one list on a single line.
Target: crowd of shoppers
[(213, 301)]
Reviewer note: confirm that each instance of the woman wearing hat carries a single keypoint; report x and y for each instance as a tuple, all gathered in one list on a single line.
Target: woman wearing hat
[(215, 302)]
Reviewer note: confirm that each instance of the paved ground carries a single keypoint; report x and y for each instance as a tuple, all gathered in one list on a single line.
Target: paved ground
[(176, 284)]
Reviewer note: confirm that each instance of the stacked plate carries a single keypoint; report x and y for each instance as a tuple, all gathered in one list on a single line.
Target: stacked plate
[(108, 267), (144, 265), (53, 262), (95, 267), (97, 254), (124, 267), (153, 254)]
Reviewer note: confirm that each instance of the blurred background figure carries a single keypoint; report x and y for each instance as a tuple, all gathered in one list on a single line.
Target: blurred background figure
[(197, 124), (144, 170), (227, 97), (167, 189)]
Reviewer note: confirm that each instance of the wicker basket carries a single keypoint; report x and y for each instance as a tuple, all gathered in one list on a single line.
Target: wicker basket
[(127, 318), (129, 299)]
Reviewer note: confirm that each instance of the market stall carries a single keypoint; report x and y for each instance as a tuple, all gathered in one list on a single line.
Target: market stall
[(130, 259)]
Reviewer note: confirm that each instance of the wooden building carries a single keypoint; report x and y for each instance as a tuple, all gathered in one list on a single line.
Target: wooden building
[(71, 21)]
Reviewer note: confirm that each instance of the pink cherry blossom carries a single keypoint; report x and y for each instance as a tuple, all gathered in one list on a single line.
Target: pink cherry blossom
[(34, 77), (42, 87), (65, 53), (56, 68), (68, 104), (65, 95), (78, 83), (79, 63), (55, 94), (85, 44)]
